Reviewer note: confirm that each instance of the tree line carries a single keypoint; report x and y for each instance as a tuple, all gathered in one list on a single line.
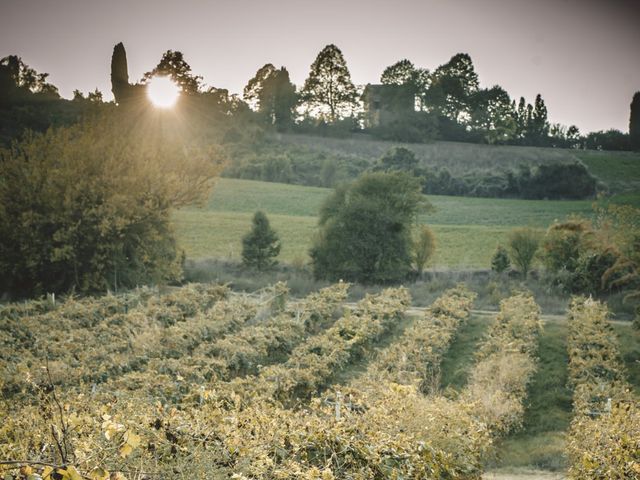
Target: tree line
[(449, 103)]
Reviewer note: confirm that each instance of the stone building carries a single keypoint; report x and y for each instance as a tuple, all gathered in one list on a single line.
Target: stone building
[(386, 103)]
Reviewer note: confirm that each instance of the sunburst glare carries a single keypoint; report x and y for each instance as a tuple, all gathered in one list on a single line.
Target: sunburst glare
[(163, 92)]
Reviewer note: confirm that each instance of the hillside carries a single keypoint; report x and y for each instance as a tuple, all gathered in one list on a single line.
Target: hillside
[(467, 229), (478, 170), (458, 157), (200, 379)]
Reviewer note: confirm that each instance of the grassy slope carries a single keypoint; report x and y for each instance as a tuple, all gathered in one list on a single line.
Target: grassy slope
[(457, 157), (467, 229), (619, 170)]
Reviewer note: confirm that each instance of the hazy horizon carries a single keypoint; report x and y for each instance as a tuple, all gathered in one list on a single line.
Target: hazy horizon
[(569, 51)]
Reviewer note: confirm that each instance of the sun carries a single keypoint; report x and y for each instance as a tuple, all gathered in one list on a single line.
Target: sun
[(163, 92)]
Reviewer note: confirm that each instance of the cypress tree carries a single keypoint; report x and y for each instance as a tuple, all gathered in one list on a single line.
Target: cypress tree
[(119, 73), (634, 122)]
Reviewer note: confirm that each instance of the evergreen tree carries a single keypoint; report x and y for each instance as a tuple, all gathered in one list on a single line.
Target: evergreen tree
[(119, 73), (261, 245), (329, 92), (634, 122), (500, 261)]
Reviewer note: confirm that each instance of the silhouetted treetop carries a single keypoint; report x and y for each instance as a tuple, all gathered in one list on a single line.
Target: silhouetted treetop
[(19, 82), (174, 65), (329, 92)]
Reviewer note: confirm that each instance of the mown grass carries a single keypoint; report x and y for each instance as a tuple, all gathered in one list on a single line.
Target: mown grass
[(467, 229), (458, 361), (540, 443), (548, 412), (620, 171)]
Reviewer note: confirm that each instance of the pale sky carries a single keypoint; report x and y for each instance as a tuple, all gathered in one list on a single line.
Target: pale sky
[(583, 56)]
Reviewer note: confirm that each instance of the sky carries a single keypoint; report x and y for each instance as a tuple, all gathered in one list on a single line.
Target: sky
[(583, 56)]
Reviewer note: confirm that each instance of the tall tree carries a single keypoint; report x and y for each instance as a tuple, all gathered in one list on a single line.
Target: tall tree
[(278, 99), (406, 73), (634, 122), (539, 127), (254, 87), (174, 65), (119, 73), (21, 77), (329, 92), (492, 114), (271, 93), (452, 86)]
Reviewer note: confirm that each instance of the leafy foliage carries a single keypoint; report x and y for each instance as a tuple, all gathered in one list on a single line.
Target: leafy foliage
[(328, 88), (603, 439), (500, 261), (366, 229), (88, 207), (523, 246), (19, 82), (506, 363), (174, 65), (424, 246)]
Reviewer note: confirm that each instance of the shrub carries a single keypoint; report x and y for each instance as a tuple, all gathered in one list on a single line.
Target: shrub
[(500, 260), (424, 246), (365, 229), (261, 245), (88, 207), (523, 245)]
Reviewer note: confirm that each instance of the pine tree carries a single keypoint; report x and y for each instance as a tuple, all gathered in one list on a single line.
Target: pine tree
[(500, 261), (261, 245)]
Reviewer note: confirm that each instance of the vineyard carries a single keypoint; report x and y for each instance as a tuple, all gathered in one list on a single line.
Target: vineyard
[(203, 382)]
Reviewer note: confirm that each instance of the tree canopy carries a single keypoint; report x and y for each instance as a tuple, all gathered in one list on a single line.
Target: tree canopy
[(328, 91), (271, 93), (366, 229), (175, 66), (87, 207)]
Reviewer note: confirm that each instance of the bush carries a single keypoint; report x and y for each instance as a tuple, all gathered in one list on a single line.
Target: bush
[(365, 229), (424, 246), (500, 261), (83, 207), (261, 245), (564, 243), (523, 245)]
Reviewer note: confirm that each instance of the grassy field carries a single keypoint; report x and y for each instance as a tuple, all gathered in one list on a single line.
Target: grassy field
[(467, 229)]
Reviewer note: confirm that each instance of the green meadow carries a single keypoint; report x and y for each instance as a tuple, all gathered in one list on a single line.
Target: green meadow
[(467, 229)]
